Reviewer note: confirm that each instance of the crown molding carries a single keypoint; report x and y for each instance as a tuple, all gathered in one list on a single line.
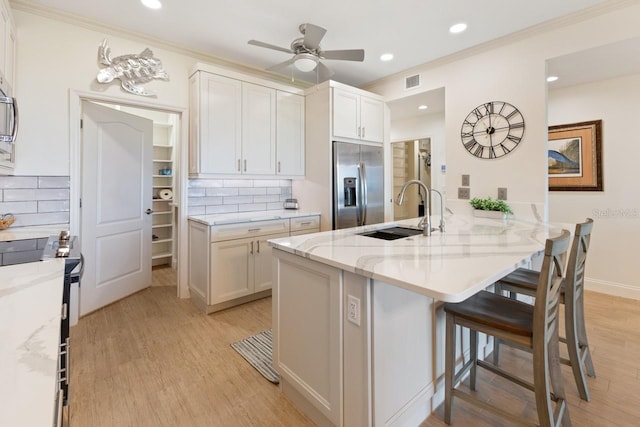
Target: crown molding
[(198, 55)]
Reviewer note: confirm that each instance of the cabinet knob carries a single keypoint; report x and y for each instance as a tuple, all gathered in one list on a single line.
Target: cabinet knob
[(278, 167), (363, 131), (238, 165), (245, 165), (251, 252), (149, 211)]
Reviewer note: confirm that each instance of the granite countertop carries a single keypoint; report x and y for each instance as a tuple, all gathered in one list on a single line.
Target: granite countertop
[(32, 232), (235, 218), (469, 256), (30, 314)]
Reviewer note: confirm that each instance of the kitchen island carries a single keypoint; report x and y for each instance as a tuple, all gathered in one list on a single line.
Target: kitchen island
[(357, 321)]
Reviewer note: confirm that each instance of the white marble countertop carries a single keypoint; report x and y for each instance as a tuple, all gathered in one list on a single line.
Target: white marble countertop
[(469, 256), (235, 218), (30, 312), (32, 232)]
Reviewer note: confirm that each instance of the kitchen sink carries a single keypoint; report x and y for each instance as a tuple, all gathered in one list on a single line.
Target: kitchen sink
[(392, 233)]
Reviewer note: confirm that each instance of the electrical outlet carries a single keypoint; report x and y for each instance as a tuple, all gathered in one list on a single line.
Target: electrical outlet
[(353, 309), (465, 180), (502, 193), (464, 193)]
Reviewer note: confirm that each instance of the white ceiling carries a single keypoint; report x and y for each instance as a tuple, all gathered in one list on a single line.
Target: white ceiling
[(415, 31)]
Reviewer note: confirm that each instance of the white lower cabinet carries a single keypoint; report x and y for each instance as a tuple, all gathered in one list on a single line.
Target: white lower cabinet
[(231, 264), (240, 267)]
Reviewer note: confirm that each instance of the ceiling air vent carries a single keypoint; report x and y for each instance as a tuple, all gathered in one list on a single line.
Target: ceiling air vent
[(412, 81)]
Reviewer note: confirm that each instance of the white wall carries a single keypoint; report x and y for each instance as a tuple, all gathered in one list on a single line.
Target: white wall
[(616, 210), (514, 71), (53, 57)]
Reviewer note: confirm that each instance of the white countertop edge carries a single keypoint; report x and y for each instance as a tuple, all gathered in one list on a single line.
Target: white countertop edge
[(439, 296), (509, 266), (240, 217), (30, 302), (31, 232)]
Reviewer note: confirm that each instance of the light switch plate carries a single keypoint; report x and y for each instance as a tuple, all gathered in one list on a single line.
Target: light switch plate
[(502, 193), (464, 193)]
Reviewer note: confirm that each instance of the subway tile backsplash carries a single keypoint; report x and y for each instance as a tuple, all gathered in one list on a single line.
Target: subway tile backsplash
[(35, 200), (214, 196)]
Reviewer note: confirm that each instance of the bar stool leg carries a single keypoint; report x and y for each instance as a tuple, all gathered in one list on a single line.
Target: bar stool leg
[(473, 351), (583, 342), (449, 366)]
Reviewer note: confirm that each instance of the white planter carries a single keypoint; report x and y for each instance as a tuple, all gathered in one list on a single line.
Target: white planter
[(489, 214)]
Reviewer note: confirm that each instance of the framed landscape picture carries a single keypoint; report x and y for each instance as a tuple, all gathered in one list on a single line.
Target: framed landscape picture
[(575, 157)]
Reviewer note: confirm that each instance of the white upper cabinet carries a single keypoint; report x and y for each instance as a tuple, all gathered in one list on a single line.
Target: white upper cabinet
[(357, 116), (258, 129), (7, 48), (290, 134), (216, 138), (240, 127)]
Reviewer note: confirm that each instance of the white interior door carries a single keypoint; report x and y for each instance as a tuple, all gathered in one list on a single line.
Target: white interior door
[(116, 196)]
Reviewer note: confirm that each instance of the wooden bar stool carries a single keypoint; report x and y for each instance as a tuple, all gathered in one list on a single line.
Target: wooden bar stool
[(525, 281), (522, 325)]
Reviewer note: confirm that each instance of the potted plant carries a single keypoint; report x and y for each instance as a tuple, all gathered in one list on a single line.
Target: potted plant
[(490, 208)]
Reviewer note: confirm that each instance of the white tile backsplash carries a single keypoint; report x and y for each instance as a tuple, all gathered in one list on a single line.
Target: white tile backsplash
[(35, 200), (238, 195)]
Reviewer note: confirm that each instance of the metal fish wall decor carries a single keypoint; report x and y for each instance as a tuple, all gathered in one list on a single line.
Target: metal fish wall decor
[(133, 70)]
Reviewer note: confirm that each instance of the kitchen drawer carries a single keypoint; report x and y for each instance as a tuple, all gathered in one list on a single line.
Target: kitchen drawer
[(248, 229), (305, 223)]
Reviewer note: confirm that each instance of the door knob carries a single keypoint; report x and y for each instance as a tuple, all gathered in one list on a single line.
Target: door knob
[(149, 211)]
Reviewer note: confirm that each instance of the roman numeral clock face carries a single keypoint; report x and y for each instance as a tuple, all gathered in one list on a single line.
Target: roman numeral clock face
[(492, 130)]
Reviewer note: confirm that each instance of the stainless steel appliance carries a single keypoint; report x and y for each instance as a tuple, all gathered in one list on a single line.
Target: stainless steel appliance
[(8, 124), (358, 197)]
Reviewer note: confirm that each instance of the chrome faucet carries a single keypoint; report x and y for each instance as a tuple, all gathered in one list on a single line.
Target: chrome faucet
[(425, 222)]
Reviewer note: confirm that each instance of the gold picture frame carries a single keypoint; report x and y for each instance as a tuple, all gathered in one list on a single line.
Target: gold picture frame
[(575, 157)]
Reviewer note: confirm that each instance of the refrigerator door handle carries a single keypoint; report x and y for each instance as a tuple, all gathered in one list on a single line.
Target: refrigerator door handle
[(363, 173), (359, 221)]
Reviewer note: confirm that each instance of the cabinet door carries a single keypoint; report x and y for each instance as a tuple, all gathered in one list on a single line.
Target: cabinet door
[(4, 30), (290, 134), (263, 262), (371, 119), (220, 124), (258, 129), (231, 270), (346, 114)]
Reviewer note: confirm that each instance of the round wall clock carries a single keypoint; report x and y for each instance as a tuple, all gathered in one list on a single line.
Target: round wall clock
[(492, 130)]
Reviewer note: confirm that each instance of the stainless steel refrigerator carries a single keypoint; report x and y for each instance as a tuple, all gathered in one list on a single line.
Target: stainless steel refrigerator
[(357, 185)]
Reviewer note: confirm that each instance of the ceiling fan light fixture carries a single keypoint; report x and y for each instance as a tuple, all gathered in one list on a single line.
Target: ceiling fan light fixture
[(306, 62)]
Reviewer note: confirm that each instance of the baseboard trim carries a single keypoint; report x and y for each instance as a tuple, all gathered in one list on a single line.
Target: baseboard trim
[(613, 288)]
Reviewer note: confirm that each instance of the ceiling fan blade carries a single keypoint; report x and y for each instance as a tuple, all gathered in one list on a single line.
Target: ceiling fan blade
[(324, 72), (345, 55), (270, 46), (281, 65), (312, 36)]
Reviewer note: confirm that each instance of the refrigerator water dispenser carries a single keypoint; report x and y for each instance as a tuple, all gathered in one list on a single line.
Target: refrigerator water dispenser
[(349, 192)]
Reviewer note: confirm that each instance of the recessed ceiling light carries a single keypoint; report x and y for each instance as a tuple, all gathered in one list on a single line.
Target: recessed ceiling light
[(152, 4), (422, 107), (458, 28), (386, 57), (552, 78)]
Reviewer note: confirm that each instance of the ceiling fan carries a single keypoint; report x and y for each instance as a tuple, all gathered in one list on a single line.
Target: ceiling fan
[(307, 54)]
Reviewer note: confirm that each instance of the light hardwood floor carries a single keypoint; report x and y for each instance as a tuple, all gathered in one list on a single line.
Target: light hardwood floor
[(154, 360)]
